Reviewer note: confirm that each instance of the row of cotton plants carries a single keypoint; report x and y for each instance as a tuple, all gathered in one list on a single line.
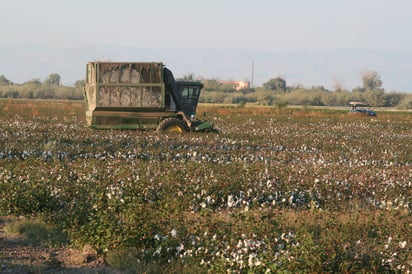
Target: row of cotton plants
[(295, 190)]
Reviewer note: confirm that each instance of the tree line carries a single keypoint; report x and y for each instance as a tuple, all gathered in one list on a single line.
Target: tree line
[(50, 88), (274, 92)]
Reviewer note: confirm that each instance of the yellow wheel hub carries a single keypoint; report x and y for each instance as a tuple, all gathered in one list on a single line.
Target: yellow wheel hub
[(174, 129)]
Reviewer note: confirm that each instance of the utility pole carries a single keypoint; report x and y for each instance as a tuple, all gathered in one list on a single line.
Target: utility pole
[(253, 72)]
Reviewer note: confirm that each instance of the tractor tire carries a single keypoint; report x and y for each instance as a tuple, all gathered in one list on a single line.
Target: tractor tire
[(172, 125)]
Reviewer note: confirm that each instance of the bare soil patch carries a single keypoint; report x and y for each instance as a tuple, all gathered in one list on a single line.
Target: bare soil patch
[(18, 255)]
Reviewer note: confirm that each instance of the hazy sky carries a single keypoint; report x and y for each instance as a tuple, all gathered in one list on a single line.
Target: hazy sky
[(260, 24)]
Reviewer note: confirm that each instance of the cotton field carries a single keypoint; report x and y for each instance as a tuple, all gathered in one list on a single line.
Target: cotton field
[(297, 190)]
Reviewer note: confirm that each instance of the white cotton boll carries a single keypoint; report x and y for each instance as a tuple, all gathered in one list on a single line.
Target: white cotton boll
[(173, 232), (402, 244), (250, 260), (180, 248), (230, 201), (157, 252)]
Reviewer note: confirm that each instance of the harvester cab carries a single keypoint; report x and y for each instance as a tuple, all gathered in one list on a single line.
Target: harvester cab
[(189, 93), (185, 98)]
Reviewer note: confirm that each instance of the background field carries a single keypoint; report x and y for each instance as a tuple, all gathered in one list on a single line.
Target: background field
[(300, 190)]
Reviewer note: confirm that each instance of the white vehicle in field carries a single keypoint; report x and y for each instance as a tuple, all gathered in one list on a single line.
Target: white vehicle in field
[(361, 108)]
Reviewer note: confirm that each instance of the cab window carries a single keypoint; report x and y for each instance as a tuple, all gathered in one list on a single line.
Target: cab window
[(190, 92)]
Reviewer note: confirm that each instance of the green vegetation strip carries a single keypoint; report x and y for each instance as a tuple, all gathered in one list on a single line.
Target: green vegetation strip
[(292, 190)]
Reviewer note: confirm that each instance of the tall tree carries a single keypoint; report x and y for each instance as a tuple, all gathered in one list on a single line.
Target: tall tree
[(371, 80), (4, 81), (53, 80), (375, 97), (337, 85), (277, 83), (372, 86), (189, 77), (79, 84)]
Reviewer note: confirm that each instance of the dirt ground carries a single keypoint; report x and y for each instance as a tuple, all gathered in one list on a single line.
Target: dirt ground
[(17, 255)]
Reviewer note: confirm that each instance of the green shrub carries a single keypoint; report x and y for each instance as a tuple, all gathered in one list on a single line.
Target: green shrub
[(37, 232)]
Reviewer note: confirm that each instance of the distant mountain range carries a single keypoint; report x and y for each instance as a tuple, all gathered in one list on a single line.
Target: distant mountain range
[(307, 68)]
